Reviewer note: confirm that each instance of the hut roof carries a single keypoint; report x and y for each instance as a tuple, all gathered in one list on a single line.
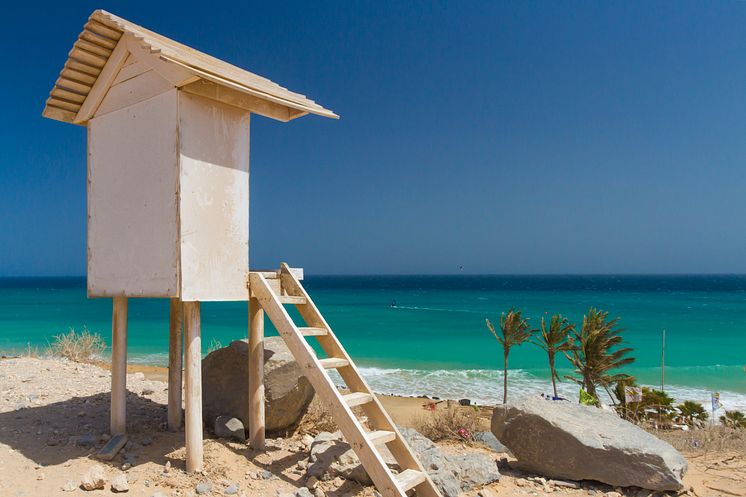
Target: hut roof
[(107, 40)]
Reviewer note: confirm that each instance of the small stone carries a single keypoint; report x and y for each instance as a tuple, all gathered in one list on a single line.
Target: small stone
[(613, 494), (105, 437), (232, 489), (303, 492), (119, 483), (148, 391), (228, 427), (167, 467), (158, 494), (94, 479), (146, 440), (265, 475), (40, 476), (126, 466), (320, 493), (487, 492), (203, 488), (307, 441), (69, 486)]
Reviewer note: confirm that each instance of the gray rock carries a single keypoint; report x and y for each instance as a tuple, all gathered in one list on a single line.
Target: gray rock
[(225, 390), (303, 492), (203, 488), (265, 475), (490, 440), (69, 486), (231, 489), (331, 455), (567, 440), (451, 474), (228, 427)]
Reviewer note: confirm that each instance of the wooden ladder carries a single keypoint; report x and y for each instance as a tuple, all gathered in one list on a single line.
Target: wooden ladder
[(272, 297)]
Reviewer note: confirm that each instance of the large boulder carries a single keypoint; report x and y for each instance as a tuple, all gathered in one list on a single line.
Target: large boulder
[(452, 474), (567, 440), (225, 387)]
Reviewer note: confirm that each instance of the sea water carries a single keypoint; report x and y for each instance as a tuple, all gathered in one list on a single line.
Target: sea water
[(414, 335)]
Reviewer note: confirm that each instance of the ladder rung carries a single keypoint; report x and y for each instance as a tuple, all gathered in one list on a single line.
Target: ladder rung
[(357, 398), (313, 332), (409, 478), (333, 363), (380, 437), (291, 299)]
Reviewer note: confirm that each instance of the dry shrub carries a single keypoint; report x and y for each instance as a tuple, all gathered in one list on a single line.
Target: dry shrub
[(32, 351), (78, 347), (717, 439), (445, 423), (317, 419)]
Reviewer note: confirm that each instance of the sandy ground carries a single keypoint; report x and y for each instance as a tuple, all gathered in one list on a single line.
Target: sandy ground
[(54, 416)]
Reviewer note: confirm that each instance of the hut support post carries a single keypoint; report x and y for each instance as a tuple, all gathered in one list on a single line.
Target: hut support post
[(193, 386), (256, 375), (118, 422), (175, 365)]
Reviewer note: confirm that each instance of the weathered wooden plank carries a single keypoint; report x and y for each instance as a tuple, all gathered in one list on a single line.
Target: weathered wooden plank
[(193, 387), (256, 375), (119, 366)]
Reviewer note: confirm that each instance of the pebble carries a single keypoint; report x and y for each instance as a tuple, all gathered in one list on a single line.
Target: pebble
[(265, 475), (167, 467), (320, 493), (203, 488), (312, 482), (146, 440), (126, 466), (40, 476), (303, 492), (232, 489), (94, 479), (119, 483), (69, 486)]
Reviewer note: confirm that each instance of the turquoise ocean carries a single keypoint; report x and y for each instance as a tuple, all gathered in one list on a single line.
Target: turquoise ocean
[(427, 335)]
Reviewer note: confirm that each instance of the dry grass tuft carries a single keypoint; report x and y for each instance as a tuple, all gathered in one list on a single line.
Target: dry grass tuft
[(716, 438), (450, 423), (78, 347), (317, 419)]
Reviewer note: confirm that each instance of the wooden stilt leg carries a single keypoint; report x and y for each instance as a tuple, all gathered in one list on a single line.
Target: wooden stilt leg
[(193, 386), (174, 366), (118, 423), (256, 375)]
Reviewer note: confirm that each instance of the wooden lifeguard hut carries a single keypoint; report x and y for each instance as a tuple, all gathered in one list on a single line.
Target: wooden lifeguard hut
[(168, 217)]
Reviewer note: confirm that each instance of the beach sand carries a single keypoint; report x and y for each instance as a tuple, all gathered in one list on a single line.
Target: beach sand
[(54, 416)]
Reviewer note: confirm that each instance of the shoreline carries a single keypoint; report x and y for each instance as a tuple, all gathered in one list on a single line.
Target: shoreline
[(468, 384)]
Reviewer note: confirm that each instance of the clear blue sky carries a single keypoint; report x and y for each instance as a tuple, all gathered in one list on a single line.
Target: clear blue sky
[(524, 137)]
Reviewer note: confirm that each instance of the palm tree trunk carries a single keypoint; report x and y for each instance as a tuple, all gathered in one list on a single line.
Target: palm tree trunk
[(505, 377), (553, 373)]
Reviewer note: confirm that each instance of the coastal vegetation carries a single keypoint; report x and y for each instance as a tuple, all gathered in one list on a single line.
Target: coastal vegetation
[(734, 419), (76, 346), (514, 330), (596, 352), (554, 338)]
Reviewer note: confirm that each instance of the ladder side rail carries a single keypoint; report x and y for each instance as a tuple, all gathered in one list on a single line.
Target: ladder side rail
[(351, 428), (377, 415)]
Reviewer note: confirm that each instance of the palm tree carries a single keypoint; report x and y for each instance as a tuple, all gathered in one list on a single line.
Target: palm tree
[(734, 419), (596, 351), (692, 413), (555, 339), (514, 330)]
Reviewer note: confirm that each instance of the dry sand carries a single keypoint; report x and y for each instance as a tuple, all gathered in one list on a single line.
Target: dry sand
[(54, 416)]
